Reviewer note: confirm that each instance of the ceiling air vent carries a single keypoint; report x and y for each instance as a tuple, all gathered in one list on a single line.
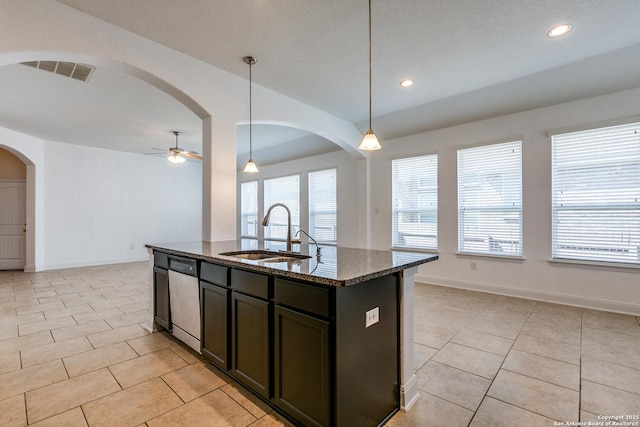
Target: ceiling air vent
[(69, 69)]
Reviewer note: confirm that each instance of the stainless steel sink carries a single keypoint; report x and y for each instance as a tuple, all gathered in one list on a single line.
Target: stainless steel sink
[(283, 259), (250, 255), (266, 256)]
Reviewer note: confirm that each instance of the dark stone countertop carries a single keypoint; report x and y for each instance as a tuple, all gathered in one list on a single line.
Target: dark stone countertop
[(337, 266)]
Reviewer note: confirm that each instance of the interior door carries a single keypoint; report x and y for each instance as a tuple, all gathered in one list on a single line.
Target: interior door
[(13, 219)]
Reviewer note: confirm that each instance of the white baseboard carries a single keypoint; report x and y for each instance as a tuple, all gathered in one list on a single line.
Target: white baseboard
[(31, 268), (409, 394), (572, 300), (96, 262)]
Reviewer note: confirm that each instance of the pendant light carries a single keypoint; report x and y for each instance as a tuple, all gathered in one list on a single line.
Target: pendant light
[(250, 167), (370, 140)]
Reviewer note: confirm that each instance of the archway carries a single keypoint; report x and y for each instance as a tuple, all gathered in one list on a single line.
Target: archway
[(31, 150), (12, 144), (13, 220)]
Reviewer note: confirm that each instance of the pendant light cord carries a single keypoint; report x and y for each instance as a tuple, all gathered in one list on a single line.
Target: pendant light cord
[(369, 64), (250, 114)]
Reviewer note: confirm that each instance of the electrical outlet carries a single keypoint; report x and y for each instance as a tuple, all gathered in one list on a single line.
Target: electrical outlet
[(473, 265), (372, 317)]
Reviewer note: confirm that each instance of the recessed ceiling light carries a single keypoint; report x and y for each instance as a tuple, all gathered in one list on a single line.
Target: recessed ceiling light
[(559, 30), (407, 82)]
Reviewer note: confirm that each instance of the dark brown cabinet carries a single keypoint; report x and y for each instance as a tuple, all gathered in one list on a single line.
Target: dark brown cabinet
[(329, 367), (215, 326), (215, 301), (251, 330), (161, 303), (302, 378), (304, 348)]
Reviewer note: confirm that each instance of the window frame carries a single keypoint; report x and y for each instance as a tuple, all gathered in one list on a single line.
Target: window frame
[(595, 254), (396, 239), (311, 213), (295, 222), (489, 212), (243, 214)]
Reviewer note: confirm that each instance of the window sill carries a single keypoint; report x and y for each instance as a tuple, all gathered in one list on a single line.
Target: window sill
[(406, 249), (595, 265), (514, 258)]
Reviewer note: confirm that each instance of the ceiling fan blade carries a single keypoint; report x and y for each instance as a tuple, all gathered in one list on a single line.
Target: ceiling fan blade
[(191, 154), (154, 154), (159, 149)]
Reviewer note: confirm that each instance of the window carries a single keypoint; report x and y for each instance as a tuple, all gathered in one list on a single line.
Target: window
[(415, 202), (323, 206), (249, 209), (490, 199), (596, 194), (284, 190)]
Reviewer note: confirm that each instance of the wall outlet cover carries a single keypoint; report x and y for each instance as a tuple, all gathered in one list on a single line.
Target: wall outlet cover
[(372, 317)]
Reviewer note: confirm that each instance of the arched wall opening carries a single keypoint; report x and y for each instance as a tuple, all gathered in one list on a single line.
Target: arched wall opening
[(33, 236), (13, 221), (31, 150)]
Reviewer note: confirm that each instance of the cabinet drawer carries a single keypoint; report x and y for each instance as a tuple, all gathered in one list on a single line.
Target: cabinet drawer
[(161, 260), (214, 273), (249, 283), (305, 297)]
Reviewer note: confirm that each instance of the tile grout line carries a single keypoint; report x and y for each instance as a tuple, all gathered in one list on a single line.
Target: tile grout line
[(24, 401), (580, 369), (84, 415)]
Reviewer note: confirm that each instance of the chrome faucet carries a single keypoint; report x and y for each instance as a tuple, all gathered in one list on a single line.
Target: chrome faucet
[(265, 222)]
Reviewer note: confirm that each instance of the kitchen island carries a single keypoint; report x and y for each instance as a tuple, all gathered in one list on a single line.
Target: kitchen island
[(325, 340)]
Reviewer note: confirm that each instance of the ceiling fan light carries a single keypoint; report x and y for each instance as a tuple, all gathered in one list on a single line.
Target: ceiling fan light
[(176, 159), (370, 142), (250, 167)]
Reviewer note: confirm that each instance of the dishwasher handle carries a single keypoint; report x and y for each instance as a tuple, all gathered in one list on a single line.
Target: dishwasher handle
[(184, 266)]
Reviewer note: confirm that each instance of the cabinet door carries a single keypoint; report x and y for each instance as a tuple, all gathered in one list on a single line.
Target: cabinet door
[(301, 373), (161, 305), (250, 337), (214, 301)]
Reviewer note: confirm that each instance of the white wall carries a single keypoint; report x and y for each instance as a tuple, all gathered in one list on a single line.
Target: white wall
[(351, 230), (102, 206), (535, 277)]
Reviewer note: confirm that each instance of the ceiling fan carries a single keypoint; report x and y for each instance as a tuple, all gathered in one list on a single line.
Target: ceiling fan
[(176, 154)]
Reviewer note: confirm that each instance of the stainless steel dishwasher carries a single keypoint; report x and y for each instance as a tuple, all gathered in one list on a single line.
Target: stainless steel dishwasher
[(184, 297)]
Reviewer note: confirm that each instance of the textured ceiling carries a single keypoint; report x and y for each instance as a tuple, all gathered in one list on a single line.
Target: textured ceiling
[(470, 59)]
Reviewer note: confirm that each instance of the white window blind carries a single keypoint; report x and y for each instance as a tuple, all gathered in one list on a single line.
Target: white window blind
[(415, 202), (284, 190), (249, 209), (596, 194), (490, 199), (323, 206)]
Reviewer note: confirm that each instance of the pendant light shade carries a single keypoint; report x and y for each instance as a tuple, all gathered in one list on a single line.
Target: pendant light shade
[(370, 141), (251, 166)]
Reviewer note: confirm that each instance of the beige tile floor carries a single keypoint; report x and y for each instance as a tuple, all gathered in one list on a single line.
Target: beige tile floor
[(73, 353)]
